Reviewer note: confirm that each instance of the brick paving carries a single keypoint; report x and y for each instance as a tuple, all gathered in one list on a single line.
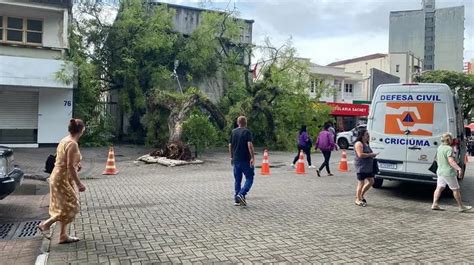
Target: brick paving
[(28, 203), (154, 214)]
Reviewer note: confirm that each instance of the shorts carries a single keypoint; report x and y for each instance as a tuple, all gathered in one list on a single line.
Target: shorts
[(452, 182), (363, 176)]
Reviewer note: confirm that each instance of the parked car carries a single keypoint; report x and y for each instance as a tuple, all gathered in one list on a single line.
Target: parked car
[(11, 176), (346, 139)]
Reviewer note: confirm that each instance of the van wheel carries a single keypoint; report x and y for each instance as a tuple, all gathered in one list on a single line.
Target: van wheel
[(378, 183), (343, 143)]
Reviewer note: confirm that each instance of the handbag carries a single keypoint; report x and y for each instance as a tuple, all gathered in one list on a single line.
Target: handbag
[(375, 167), (49, 164), (434, 166)]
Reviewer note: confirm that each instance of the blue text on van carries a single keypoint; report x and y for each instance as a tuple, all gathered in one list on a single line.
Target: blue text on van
[(398, 141), (405, 97)]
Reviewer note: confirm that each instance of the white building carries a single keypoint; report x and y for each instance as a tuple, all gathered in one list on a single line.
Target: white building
[(35, 106), (404, 65), (337, 85)]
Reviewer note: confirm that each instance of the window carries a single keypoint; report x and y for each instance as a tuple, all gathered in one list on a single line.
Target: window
[(397, 68), (348, 88), (312, 86), (21, 30), (429, 29), (429, 48)]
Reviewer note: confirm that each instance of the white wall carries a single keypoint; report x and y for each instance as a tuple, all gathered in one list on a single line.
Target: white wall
[(401, 60), (54, 113), (33, 72), (363, 67)]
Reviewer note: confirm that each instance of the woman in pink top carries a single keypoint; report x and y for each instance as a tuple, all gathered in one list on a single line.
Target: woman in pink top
[(326, 144)]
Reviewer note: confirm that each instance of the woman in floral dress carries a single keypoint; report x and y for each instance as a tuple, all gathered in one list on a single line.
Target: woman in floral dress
[(64, 201)]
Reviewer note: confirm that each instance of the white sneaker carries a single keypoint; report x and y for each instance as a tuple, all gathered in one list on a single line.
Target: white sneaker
[(465, 209), (312, 167), (292, 165)]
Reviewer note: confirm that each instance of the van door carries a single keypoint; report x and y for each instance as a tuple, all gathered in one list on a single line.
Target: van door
[(429, 120), (388, 132)]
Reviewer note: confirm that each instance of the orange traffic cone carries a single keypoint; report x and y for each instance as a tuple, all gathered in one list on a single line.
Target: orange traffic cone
[(110, 168), (343, 164), (265, 164), (300, 164)]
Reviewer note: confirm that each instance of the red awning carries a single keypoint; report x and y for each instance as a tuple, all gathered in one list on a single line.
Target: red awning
[(345, 109)]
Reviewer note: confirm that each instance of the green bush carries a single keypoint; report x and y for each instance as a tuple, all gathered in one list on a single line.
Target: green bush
[(99, 132), (199, 132)]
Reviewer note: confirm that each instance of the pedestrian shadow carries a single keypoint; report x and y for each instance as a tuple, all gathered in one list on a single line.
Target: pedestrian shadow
[(410, 190)]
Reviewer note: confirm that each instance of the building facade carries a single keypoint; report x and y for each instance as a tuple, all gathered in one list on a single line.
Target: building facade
[(436, 35), (394, 67), (186, 20), (342, 91), (35, 106)]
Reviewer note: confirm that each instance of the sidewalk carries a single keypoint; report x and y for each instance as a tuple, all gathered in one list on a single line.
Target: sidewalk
[(29, 204)]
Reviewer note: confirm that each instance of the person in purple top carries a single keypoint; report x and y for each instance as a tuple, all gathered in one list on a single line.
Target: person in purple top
[(304, 143), (325, 143)]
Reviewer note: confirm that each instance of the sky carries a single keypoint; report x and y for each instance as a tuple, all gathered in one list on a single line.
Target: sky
[(329, 30)]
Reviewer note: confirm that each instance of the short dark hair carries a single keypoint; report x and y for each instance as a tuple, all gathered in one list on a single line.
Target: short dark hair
[(360, 134), (303, 129), (75, 126)]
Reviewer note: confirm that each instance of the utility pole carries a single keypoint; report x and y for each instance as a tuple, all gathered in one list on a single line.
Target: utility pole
[(175, 74)]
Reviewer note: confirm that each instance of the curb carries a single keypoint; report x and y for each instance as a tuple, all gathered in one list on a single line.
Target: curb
[(42, 258), (36, 177)]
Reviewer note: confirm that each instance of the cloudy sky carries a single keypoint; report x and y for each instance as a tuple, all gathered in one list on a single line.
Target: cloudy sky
[(330, 30)]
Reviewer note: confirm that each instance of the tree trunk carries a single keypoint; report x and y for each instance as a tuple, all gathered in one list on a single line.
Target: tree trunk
[(179, 114)]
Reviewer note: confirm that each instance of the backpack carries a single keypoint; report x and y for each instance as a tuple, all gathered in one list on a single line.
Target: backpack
[(49, 165)]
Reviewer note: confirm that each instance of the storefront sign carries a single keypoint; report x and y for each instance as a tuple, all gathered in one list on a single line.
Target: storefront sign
[(344, 109)]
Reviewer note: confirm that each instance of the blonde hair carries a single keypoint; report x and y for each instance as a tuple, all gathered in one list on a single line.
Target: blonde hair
[(242, 121), (446, 138)]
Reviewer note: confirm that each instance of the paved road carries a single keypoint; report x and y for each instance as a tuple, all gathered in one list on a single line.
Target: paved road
[(151, 213)]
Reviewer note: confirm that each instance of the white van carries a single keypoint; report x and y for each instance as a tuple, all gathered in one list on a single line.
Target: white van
[(406, 122)]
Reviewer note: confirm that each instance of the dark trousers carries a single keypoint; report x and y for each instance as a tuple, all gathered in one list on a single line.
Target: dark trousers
[(243, 167), (307, 151), (327, 157)]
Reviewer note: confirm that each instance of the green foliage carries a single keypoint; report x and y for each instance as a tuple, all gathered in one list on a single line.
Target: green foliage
[(87, 34), (199, 131), (295, 111), (135, 58), (98, 132), (460, 82), (278, 104)]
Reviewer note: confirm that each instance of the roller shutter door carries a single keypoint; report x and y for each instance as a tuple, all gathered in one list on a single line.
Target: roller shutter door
[(18, 109)]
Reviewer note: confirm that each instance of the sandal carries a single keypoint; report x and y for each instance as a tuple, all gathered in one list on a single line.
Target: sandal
[(70, 239), (437, 208), (45, 233)]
